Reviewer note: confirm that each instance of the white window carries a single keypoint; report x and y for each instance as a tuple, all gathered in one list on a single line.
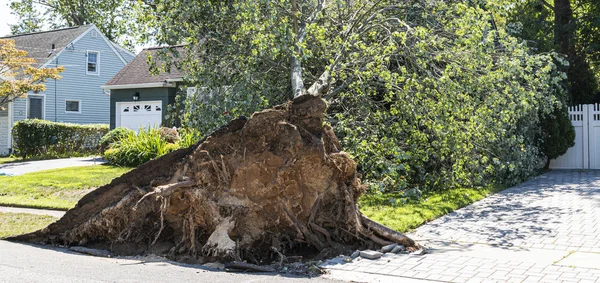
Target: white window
[(93, 58), (73, 106)]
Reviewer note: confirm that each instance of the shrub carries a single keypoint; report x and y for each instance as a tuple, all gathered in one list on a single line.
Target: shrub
[(557, 135), (113, 136), (135, 149), (33, 137), (188, 137)]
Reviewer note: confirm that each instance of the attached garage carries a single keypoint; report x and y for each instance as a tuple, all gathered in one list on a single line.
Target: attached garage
[(139, 98), (135, 115)]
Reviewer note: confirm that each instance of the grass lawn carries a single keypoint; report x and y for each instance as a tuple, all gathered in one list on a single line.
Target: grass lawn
[(8, 159), (12, 224), (402, 214), (55, 189)]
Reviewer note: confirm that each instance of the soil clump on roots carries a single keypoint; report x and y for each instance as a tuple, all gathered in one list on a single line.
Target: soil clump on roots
[(258, 189)]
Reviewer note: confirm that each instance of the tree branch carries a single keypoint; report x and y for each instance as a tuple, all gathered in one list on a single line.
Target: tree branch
[(546, 4)]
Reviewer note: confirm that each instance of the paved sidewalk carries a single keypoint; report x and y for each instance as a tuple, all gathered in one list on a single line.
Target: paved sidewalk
[(545, 230), (55, 213), (20, 168)]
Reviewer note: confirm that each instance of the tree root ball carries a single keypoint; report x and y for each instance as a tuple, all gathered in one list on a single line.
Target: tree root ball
[(253, 189)]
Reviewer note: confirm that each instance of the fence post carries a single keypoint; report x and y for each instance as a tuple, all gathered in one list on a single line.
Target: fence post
[(586, 134)]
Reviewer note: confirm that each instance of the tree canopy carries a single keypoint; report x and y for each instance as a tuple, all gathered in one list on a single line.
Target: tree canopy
[(112, 17), (18, 76), (426, 93), (570, 28)]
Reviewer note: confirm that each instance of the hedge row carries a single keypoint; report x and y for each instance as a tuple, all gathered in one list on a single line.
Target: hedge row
[(33, 137)]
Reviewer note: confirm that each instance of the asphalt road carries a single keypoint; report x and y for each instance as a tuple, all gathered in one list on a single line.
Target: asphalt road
[(29, 263)]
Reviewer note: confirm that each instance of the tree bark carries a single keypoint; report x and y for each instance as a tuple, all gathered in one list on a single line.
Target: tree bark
[(564, 27)]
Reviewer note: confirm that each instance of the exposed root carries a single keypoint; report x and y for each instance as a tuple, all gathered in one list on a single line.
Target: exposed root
[(219, 244), (388, 233), (253, 190), (163, 208), (165, 190)]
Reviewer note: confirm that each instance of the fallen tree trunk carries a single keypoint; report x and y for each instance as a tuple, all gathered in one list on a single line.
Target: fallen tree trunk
[(253, 188)]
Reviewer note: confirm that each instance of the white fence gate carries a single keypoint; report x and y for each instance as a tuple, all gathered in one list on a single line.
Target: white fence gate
[(585, 154)]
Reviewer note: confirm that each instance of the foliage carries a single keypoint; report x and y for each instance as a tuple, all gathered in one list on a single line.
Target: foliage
[(570, 28), (112, 17), (558, 134), (403, 214), (13, 224), (33, 137), (188, 137), (113, 136), (428, 94), (57, 188), (18, 76), (135, 149)]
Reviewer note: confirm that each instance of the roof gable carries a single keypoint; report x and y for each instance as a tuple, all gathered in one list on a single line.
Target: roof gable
[(39, 44), (137, 71)]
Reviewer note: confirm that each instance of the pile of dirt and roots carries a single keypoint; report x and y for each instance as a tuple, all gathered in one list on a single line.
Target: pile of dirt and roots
[(259, 189)]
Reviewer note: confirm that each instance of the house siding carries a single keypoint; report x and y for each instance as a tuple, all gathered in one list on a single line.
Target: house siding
[(4, 125), (19, 109), (166, 95), (76, 84), (127, 56)]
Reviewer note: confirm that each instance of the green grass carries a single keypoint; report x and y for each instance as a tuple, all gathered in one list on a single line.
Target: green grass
[(402, 214), (12, 224), (55, 189), (9, 159)]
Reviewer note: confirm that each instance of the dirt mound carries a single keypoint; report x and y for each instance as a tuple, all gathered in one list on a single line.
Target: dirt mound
[(254, 189)]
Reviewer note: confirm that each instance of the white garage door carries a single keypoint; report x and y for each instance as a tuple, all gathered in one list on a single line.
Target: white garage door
[(135, 115)]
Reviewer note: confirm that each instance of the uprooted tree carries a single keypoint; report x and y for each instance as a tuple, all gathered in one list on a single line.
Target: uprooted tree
[(433, 79), (255, 187)]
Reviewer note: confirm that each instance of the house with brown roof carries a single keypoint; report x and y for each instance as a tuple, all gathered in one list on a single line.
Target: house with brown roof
[(90, 60), (139, 97)]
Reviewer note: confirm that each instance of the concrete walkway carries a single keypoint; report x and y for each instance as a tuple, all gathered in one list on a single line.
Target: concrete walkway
[(19, 168), (55, 213), (545, 230)]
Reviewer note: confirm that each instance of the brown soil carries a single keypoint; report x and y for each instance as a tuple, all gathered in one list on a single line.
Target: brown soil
[(255, 190)]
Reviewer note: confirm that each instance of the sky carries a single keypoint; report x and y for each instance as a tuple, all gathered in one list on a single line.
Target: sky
[(6, 18)]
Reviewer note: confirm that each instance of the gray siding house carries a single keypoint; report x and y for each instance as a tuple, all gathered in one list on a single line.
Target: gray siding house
[(139, 98), (90, 60)]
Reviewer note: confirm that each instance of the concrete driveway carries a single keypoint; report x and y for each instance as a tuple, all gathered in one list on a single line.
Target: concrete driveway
[(544, 230), (19, 168)]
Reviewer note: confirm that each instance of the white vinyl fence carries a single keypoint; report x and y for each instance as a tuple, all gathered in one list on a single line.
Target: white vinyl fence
[(585, 154)]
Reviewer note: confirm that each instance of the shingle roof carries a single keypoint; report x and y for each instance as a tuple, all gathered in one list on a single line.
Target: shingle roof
[(138, 70), (39, 44)]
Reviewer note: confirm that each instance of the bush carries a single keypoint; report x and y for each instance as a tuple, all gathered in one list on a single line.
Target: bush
[(113, 136), (188, 137), (33, 137), (135, 149), (558, 134)]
